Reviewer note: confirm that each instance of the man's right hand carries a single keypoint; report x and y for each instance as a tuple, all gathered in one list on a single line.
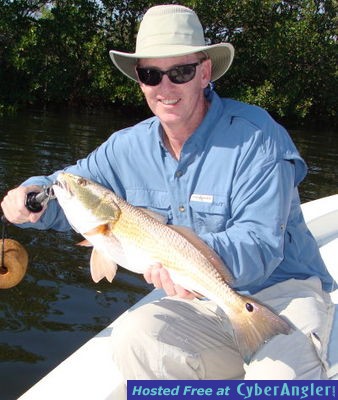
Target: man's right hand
[(14, 208)]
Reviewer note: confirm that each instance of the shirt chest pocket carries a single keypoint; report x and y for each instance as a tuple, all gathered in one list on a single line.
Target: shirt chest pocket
[(153, 200), (210, 216)]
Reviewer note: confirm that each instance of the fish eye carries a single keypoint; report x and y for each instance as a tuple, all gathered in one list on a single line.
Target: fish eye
[(81, 181)]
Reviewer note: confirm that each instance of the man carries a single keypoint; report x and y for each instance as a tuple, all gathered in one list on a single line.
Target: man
[(228, 171)]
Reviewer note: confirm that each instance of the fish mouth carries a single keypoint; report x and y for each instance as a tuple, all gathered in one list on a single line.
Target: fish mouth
[(62, 185), (59, 184)]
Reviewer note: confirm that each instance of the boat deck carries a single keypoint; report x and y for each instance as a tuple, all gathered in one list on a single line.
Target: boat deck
[(90, 373)]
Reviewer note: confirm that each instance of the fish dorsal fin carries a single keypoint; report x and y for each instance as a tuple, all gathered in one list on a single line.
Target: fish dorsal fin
[(101, 267), (155, 215), (207, 251)]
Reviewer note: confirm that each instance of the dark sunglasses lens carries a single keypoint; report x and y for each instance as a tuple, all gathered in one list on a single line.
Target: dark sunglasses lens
[(182, 73), (148, 76), (179, 74)]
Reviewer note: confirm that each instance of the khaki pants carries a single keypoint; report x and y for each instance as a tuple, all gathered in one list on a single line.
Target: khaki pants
[(176, 339)]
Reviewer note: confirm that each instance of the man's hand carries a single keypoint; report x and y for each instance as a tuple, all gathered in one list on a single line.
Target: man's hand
[(13, 205), (160, 278)]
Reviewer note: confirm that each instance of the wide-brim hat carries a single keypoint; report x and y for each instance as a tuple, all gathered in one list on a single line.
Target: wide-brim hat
[(171, 31)]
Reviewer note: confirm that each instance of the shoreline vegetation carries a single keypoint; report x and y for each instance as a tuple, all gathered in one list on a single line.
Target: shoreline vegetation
[(54, 54)]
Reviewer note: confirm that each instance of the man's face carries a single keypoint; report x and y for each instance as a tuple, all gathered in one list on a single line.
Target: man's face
[(177, 104)]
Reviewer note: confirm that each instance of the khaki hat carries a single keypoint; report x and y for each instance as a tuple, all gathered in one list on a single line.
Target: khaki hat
[(169, 31)]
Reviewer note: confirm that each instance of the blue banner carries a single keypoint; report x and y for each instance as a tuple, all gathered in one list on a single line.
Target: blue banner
[(232, 390)]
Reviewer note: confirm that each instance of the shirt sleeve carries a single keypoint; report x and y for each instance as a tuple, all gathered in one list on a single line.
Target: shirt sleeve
[(253, 241), (100, 166), (263, 188)]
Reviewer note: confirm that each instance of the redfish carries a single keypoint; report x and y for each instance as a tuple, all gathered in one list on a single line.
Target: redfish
[(136, 238)]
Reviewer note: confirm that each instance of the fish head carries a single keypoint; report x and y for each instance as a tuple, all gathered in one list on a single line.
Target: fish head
[(85, 203)]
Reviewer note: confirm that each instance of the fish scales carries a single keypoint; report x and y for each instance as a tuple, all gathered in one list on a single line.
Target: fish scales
[(135, 239), (167, 247)]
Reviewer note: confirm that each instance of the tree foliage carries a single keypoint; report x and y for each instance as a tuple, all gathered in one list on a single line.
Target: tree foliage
[(56, 52)]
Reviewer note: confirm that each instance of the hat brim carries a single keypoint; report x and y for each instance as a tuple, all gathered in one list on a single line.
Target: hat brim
[(221, 55)]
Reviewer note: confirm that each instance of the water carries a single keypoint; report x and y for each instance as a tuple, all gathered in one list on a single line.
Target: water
[(57, 307)]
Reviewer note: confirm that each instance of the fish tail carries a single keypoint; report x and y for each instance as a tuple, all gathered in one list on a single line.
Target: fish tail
[(254, 325)]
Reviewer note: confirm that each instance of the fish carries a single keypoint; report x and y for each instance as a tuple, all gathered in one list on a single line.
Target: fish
[(136, 238)]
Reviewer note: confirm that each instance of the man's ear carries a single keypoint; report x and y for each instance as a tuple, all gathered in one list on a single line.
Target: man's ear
[(206, 72)]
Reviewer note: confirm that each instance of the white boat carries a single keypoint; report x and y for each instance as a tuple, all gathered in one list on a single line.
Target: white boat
[(89, 373)]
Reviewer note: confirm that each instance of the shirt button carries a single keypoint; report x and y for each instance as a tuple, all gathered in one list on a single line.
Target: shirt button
[(178, 174), (181, 208)]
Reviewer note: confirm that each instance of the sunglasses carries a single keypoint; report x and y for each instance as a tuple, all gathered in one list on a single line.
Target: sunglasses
[(179, 74)]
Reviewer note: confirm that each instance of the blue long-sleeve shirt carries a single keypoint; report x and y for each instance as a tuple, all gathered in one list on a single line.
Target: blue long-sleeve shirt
[(235, 185)]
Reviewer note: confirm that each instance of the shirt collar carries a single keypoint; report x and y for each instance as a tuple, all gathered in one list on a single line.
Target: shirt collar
[(201, 134)]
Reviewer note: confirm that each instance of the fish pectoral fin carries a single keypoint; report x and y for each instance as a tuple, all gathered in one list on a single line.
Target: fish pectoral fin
[(207, 251), (254, 325), (85, 243), (101, 267), (102, 229)]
